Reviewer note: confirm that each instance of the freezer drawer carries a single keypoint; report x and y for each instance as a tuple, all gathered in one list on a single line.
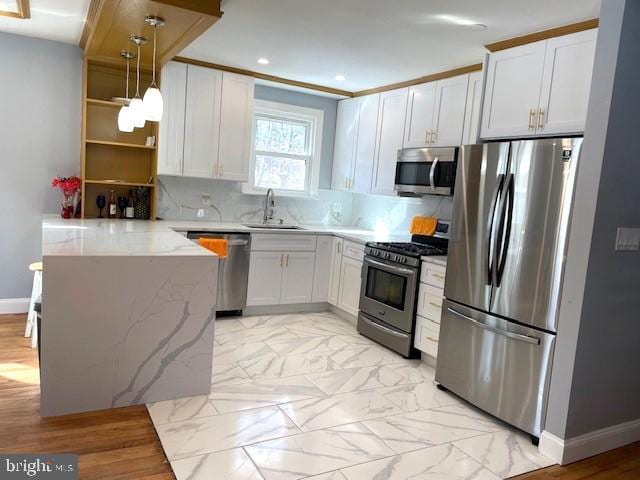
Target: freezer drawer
[(496, 365)]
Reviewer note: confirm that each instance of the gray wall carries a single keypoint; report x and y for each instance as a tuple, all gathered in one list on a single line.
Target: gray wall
[(596, 372), (330, 108), (40, 107)]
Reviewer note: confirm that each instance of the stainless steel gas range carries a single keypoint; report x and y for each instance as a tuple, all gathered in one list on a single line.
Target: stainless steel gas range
[(390, 280)]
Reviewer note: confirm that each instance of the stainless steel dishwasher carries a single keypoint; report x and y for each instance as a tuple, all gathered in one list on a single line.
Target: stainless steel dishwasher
[(233, 271)]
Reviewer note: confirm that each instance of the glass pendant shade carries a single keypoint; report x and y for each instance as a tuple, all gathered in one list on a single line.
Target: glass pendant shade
[(125, 122), (153, 104), (137, 112)]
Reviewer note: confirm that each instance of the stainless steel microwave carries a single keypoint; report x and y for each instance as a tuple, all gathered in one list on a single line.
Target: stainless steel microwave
[(422, 171)]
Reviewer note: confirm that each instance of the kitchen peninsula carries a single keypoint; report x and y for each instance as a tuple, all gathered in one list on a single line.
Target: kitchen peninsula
[(128, 315)]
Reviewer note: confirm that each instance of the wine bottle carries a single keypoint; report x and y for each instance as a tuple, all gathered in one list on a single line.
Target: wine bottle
[(129, 211), (113, 206)]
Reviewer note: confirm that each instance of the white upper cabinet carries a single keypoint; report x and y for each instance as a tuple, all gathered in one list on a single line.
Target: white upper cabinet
[(539, 89), (355, 143), (421, 105), (389, 138), (366, 143), (202, 121), (448, 115), (345, 143), (236, 120), (471, 131), (512, 91), (171, 136), (568, 68)]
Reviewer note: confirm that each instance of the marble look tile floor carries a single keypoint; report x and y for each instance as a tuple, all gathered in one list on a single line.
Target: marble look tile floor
[(304, 396)]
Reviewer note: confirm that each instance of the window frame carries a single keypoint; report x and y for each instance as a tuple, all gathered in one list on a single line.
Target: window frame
[(294, 113)]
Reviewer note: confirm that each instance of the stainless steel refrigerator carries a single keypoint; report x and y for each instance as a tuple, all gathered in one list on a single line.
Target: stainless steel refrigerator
[(506, 254)]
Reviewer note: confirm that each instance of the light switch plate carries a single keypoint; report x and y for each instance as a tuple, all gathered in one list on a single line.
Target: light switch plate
[(628, 239)]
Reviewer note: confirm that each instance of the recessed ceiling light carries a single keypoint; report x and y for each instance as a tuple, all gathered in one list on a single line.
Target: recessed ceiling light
[(455, 20), (263, 61), (476, 27), (340, 78)]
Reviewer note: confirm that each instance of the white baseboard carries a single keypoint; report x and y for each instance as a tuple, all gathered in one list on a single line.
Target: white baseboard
[(14, 305), (344, 315), (584, 446)]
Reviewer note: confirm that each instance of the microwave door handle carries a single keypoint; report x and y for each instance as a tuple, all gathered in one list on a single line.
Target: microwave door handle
[(490, 253), (499, 331), (507, 220), (432, 173)]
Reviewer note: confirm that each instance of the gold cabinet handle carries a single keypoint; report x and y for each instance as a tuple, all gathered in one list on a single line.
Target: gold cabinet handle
[(434, 340), (286, 260), (426, 137), (434, 136), (532, 114), (541, 119), (437, 275), (282, 259), (435, 305)]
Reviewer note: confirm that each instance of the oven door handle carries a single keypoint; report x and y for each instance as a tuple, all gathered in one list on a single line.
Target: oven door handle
[(389, 268), (432, 172)]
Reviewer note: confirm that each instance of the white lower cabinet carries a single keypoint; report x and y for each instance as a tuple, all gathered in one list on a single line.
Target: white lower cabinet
[(334, 275), (265, 278), (350, 280), (297, 277), (429, 310), (322, 271)]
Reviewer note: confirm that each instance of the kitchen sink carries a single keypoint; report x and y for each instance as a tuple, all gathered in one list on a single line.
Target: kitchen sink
[(273, 226)]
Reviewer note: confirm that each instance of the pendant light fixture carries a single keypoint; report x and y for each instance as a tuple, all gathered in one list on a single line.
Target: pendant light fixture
[(125, 122), (152, 101), (136, 108)]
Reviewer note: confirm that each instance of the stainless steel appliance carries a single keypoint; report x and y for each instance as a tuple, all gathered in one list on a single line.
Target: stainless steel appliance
[(504, 270), (388, 295), (233, 271), (421, 171)]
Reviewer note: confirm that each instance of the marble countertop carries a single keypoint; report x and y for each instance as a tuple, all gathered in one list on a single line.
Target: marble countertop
[(104, 237)]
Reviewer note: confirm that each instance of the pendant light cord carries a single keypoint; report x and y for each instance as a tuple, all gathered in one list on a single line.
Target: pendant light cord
[(127, 87), (138, 74), (153, 78)]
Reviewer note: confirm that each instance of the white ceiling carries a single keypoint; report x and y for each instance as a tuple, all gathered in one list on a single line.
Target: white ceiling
[(371, 42), (59, 20)]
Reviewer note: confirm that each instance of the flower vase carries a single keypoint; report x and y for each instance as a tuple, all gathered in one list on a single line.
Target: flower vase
[(68, 206)]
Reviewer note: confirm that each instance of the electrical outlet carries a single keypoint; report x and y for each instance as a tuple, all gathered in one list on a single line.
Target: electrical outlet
[(201, 213), (206, 199), (628, 240)]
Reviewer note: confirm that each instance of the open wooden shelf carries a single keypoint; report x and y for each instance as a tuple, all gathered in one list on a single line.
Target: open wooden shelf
[(119, 144), (120, 183), (104, 103)]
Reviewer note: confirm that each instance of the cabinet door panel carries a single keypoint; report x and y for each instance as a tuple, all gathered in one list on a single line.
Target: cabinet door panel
[(471, 131), (202, 121), (336, 265), (451, 100), (322, 271), (345, 143), (349, 291), (514, 80), (365, 143), (568, 70), (391, 116), (171, 135), (265, 278), (236, 121), (297, 277), (421, 105)]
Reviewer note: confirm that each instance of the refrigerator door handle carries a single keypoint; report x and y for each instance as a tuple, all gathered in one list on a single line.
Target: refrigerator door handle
[(507, 219), (490, 253), (499, 331)]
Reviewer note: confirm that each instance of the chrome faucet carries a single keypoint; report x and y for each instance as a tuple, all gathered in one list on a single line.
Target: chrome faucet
[(269, 206)]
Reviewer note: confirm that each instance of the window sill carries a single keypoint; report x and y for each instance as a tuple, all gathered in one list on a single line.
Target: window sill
[(247, 189)]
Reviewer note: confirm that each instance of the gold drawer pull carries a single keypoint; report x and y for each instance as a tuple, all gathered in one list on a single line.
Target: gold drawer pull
[(438, 275), (435, 340), (435, 305)]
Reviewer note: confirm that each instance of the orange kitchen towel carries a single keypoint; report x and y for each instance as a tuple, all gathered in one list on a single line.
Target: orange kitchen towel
[(423, 225), (219, 246)]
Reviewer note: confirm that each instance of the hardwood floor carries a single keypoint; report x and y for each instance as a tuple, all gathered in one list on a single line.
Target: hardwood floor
[(111, 444), (122, 443)]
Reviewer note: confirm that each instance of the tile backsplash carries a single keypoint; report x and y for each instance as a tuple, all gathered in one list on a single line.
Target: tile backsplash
[(180, 198)]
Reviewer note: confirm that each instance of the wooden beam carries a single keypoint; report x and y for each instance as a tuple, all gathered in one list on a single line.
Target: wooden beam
[(265, 76), (24, 11), (110, 23), (543, 35), (417, 81)]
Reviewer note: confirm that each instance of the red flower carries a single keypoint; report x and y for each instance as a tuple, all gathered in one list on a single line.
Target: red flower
[(69, 185)]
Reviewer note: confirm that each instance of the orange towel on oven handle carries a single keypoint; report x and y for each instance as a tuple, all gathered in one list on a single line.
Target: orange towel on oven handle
[(219, 246), (423, 225)]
